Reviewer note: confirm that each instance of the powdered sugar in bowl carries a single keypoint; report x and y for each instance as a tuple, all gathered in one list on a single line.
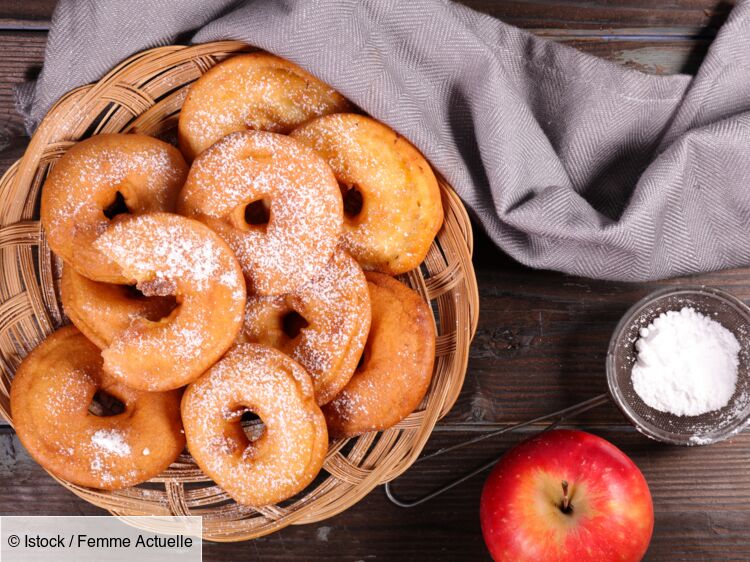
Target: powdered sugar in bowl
[(703, 429)]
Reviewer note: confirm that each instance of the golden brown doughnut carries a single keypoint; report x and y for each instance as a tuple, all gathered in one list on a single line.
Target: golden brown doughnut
[(391, 197), (167, 254), (50, 397), (102, 311), (101, 176), (323, 324), (291, 450), (252, 91), (247, 170), (397, 363)]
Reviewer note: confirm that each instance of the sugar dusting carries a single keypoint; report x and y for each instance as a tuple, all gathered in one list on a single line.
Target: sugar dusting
[(111, 441), (401, 207), (305, 206), (76, 184), (168, 250), (336, 305), (284, 459), (166, 247)]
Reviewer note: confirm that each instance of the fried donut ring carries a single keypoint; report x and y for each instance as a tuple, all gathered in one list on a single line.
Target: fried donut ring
[(252, 91), (50, 397), (168, 254), (323, 324), (245, 170), (397, 362), (391, 197), (102, 311), (291, 450), (94, 179)]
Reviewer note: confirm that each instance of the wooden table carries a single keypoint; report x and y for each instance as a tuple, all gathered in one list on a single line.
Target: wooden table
[(541, 343)]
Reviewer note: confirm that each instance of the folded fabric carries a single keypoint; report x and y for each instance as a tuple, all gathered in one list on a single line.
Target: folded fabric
[(568, 161)]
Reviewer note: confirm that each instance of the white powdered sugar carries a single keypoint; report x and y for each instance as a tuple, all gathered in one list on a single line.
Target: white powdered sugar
[(687, 364), (102, 165), (336, 304), (111, 441), (280, 391), (305, 217), (167, 247)]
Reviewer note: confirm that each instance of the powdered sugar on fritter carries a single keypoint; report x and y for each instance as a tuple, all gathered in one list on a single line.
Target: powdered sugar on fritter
[(111, 441), (306, 210), (209, 288), (78, 181), (280, 392), (336, 305)]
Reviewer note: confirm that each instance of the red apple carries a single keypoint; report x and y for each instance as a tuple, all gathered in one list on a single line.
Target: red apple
[(569, 496)]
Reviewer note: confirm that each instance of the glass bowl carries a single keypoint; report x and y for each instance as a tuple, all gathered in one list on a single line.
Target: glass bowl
[(706, 428)]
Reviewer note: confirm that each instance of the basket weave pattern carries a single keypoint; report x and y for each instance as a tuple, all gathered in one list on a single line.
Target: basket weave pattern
[(144, 94)]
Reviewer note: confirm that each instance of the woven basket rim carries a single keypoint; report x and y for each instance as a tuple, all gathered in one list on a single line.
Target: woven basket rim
[(142, 94)]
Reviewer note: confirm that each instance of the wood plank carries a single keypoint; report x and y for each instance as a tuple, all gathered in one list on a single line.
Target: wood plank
[(23, 54), (607, 15), (701, 498), (26, 14), (530, 14), (662, 57)]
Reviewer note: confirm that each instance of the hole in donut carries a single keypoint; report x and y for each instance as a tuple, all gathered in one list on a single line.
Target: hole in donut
[(252, 426), (105, 405), (293, 323), (258, 213), (117, 207), (352, 200), (162, 308), (133, 292)]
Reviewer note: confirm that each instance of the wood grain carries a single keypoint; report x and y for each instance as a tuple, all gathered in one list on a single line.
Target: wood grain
[(703, 15), (26, 14), (23, 53)]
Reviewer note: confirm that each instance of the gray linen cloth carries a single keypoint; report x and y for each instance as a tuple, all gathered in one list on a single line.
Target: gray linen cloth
[(569, 162)]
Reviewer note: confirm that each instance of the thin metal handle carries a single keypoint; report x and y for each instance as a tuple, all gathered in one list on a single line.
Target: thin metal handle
[(557, 417)]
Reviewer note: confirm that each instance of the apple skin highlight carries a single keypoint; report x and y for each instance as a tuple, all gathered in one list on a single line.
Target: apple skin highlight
[(611, 515)]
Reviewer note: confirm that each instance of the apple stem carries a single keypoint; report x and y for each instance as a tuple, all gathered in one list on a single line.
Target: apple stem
[(565, 508)]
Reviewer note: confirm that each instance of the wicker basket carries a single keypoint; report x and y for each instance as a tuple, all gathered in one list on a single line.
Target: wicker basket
[(144, 94)]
